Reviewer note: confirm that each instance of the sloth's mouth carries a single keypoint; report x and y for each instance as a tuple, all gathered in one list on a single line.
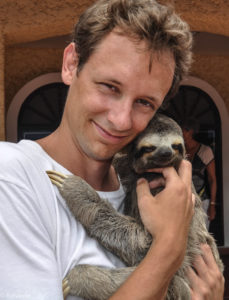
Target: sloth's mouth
[(150, 176), (143, 169), (156, 181)]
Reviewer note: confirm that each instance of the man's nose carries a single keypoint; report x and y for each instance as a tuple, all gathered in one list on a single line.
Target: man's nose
[(120, 115)]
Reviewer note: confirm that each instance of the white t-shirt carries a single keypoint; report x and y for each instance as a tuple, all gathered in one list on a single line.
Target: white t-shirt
[(40, 241)]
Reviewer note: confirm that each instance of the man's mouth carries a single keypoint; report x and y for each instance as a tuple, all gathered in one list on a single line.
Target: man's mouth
[(112, 138)]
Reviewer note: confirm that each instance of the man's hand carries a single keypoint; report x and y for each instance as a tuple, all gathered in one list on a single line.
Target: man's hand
[(168, 213), (206, 280)]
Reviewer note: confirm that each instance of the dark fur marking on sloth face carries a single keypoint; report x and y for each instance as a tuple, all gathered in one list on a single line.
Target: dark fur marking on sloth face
[(179, 147), (144, 150)]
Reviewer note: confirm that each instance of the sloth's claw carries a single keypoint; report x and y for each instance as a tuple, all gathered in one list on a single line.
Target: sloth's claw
[(56, 178), (65, 287)]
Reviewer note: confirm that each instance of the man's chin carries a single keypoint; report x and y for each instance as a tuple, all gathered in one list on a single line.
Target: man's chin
[(102, 152), (102, 156)]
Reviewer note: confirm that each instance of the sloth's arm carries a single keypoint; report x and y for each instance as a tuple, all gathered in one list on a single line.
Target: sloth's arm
[(118, 233), (92, 282)]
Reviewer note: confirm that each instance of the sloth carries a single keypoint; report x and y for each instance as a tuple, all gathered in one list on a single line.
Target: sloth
[(161, 144)]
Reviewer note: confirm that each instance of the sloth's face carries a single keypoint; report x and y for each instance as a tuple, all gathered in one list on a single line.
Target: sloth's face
[(158, 150)]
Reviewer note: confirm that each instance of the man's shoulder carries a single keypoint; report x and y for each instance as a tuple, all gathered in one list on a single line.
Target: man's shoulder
[(19, 161), (9, 149), (12, 154)]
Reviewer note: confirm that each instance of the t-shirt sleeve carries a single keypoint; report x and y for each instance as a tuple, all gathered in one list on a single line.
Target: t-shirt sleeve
[(27, 255)]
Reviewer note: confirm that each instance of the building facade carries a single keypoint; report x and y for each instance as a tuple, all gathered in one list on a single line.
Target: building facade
[(33, 35)]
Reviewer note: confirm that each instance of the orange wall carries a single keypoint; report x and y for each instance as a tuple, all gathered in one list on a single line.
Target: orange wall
[(23, 65)]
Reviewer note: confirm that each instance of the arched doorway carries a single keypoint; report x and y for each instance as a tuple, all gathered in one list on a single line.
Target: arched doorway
[(36, 109), (41, 112)]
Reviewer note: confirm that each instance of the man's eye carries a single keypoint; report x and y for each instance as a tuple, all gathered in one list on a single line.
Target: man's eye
[(110, 87), (145, 103)]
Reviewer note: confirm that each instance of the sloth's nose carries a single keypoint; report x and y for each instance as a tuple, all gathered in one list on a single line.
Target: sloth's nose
[(165, 153)]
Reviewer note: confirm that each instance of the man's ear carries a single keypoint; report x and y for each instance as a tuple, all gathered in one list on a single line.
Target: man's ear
[(70, 62)]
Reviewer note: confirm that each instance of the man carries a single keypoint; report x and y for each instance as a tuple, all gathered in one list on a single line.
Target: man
[(127, 56)]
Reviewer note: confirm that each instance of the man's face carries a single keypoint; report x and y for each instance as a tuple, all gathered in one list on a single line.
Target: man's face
[(115, 95)]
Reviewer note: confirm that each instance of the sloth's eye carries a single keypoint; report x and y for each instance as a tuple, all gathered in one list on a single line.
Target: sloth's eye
[(178, 147), (144, 150), (148, 149)]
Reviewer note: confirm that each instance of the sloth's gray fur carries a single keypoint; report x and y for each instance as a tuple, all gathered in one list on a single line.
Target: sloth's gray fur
[(160, 144)]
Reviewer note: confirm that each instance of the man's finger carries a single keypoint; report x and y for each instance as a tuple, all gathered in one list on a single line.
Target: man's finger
[(170, 175), (200, 266), (185, 172), (155, 170), (193, 279), (208, 256), (142, 188)]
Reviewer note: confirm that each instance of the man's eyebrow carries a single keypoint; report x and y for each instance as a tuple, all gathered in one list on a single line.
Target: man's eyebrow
[(151, 98), (114, 81)]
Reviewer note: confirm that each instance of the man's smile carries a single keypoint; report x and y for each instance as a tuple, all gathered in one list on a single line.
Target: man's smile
[(113, 139)]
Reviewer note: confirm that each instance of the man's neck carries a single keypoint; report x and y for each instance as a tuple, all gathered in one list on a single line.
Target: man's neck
[(99, 174)]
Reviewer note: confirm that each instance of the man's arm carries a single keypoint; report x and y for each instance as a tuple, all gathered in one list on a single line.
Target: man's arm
[(167, 217)]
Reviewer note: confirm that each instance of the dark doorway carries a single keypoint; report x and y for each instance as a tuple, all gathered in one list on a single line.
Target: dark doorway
[(193, 102), (41, 112)]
